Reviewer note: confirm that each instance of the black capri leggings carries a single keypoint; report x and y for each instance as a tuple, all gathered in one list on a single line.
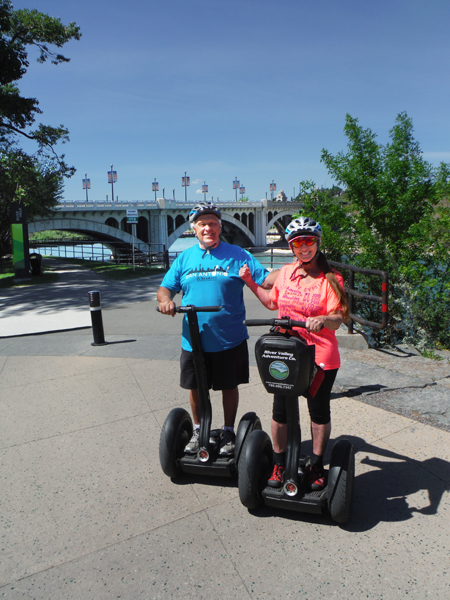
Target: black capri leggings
[(319, 406)]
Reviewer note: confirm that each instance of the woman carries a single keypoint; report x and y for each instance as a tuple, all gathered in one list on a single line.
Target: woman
[(307, 290)]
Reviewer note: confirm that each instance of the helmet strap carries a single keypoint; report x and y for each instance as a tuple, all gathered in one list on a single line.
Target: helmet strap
[(207, 249)]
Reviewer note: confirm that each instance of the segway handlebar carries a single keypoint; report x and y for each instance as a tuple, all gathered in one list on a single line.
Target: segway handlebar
[(192, 308), (284, 322)]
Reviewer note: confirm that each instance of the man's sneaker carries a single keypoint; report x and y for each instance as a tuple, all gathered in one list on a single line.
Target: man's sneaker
[(277, 477), (192, 446), (227, 442), (317, 478)]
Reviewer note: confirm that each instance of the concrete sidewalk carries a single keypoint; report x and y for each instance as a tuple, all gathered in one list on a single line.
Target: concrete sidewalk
[(86, 511)]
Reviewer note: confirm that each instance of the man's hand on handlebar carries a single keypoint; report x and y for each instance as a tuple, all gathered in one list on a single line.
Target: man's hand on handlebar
[(167, 307)]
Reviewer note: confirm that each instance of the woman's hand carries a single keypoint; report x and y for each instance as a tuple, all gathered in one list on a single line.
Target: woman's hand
[(245, 274), (332, 321), (315, 324)]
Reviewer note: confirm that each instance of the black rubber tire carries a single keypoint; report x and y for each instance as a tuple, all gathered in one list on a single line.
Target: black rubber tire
[(249, 422), (342, 473), (254, 468), (175, 434)]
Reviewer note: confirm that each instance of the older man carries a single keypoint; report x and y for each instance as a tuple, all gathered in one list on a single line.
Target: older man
[(208, 274)]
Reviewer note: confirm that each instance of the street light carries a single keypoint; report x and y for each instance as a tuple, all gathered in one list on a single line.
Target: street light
[(86, 186), (273, 188), (236, 185), (112, 178), (242, 191), (204, 190), (185, 182), (155, 187)]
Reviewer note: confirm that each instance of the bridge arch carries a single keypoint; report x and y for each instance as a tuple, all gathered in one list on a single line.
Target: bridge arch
[(112, 222), (280, 216), (97, 230), (241, 235)]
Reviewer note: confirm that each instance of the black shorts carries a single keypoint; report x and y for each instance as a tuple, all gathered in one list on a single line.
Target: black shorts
[(319, 406), (224, 370)]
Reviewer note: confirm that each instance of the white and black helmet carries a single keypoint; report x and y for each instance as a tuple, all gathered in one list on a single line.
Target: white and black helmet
[(302, 226), (203, 208)]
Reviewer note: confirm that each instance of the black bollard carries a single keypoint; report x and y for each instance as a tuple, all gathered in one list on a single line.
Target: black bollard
[(96, 317)]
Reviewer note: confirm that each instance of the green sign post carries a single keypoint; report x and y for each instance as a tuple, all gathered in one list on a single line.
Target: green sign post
[(19, 237)]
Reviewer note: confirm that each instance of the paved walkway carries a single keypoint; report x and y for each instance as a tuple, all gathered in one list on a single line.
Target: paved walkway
[(87, 513)]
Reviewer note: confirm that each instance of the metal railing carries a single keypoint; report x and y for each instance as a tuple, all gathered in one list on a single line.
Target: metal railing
[(352, 293), (275, 258), (115, 252)]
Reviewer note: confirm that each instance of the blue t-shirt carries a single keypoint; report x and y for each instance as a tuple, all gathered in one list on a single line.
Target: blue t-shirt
[(209, 278)]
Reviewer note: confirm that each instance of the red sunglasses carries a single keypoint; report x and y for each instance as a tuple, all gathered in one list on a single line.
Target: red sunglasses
[(299, 241)]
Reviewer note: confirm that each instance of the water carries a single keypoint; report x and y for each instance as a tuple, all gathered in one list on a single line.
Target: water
[(183, 244), (83, 251)]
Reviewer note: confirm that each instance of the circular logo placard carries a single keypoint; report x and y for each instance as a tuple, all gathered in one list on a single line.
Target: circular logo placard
[(278, 370)]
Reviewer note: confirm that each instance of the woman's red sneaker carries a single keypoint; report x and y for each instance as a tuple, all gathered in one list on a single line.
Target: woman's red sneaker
[(317, 478), (277, 477)]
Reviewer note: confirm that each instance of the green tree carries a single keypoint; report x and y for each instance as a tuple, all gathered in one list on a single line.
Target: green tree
[(393, 216), (24, 179), (21, 31)]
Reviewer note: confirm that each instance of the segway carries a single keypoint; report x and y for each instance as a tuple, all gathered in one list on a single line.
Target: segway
[(177, 429), (286, 367)]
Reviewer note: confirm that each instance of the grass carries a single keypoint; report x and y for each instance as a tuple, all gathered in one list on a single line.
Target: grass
[(431, 354), (107, 271)]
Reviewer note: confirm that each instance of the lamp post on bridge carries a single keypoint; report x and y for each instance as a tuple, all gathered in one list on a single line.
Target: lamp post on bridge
[(86, 186), (273, 188), (236, 185), (204, 190), (155, 187), (185, 181), (112, 178)]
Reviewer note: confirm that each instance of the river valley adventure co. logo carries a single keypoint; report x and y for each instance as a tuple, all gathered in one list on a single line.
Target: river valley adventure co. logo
[(279, 370)]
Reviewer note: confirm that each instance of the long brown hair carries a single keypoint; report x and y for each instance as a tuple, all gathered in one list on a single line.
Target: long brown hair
[(329, 273)]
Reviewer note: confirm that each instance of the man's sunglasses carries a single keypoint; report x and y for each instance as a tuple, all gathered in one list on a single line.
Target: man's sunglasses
[(298, 242)]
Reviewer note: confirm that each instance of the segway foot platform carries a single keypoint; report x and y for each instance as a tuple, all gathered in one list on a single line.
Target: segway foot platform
[(217, 467), (309, 501), (208, 461)]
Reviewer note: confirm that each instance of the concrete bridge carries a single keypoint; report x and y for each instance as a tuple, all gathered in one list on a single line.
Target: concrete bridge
[(163, 221)]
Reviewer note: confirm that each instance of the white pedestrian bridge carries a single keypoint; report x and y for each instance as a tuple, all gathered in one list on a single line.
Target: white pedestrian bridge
[(163, 221)]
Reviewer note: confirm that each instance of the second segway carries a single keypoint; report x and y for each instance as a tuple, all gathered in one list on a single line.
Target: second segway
[(177, 428), (286, 367)]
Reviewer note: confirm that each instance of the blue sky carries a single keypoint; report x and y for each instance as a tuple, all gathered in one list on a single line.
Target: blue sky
[(247, 88)]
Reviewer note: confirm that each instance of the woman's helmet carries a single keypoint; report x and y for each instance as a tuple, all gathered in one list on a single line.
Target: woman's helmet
[(203, 208), (302, 226)]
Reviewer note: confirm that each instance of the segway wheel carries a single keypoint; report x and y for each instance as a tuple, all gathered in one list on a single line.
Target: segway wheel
[(249, 422), (175, 434), (254, 468), (340, 481)]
